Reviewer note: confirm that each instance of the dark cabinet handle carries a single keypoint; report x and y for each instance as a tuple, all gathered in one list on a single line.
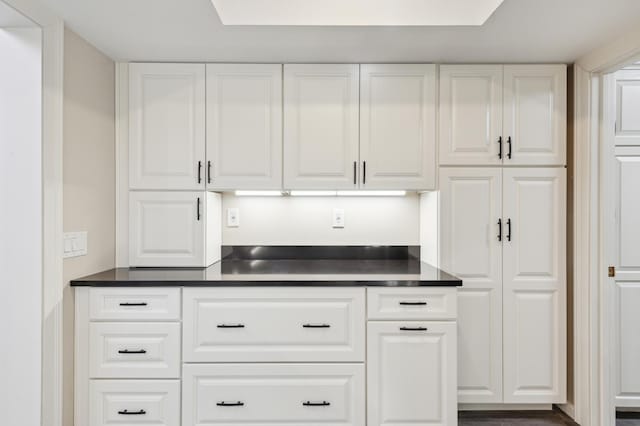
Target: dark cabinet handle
[(413, 303), (133, 304), (413, 329), (316, 404), (316, 326), (230, 325), (354, 172), (230, 404), (208, 171), (132, 413), (509, 151), (198, 209), (199, 171), (499, 229), (364, 172), (500, 147), (508, 229), (127, 351)]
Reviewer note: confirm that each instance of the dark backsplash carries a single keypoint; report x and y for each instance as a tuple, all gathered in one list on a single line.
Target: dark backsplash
[(320, 252)]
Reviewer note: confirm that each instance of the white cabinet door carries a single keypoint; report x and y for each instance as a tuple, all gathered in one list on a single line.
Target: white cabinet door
[(244, 126), (166, 126), (534, 270), (535, 108), (167, 228), (320, 126), (398, 126), (471, 248), (411, 373), (471, 115)]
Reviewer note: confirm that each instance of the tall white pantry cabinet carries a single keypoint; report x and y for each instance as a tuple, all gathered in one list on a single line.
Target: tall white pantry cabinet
[(502, 188)]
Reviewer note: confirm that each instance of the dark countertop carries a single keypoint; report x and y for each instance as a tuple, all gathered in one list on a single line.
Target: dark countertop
[(288, 272)]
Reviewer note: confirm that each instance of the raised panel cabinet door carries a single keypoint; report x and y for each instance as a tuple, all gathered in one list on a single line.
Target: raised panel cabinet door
[(244, 126), (535, 109), (627, 107), (321, 126), (471, 235), (411, 373), (398, 126), (166, 126), (534, 270), (471, 115), (167, 229)]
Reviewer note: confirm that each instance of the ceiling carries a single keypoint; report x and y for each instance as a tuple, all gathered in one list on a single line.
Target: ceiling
[(10, 18), (190, 30)]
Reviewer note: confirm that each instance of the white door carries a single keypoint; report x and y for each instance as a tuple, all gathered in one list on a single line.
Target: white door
[(471, 115), (320, 126), (627, 108), (244, 126), (535, 109), (534, 271), (411, 373), (471, 234), (167, 228), (166, 126), (398, 126)]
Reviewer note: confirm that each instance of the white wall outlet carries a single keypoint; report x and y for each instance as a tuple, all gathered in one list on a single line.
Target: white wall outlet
[(233, 217), (338, 218), (75, 244)]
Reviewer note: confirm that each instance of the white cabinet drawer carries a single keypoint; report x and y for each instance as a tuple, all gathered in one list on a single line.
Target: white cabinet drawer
[(274, 394), (133, 304), (134, 350), (134, 402), (411, 303), (274, 325)]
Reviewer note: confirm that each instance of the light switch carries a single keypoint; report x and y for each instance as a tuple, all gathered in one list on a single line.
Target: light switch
[(338, 218), (233, 217), (75, 244)]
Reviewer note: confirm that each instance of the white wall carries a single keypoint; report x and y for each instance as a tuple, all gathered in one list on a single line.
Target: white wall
[(308, 220), (20, 226)]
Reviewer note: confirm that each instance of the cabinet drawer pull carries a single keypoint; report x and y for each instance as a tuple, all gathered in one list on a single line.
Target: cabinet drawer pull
[(198, 209), (316, 404), (509, 229), (134, 304), (127, 351), (316, 326), (354, 173), (500, 147), (230, 404), (364, 172), (509, 144), (230, 325), (413, 303), (132, 413), (413, 329), (208, 171), (199, 171)]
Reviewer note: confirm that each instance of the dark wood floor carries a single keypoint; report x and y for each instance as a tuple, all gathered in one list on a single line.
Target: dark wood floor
[(531, 418)]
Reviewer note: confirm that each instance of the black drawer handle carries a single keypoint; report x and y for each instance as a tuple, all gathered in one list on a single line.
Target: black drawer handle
[(132, 413), (127, 351), (230, 404), (316, 326), (413, 329), (413, 303), (316, 404), (230, 325), (133, 304)]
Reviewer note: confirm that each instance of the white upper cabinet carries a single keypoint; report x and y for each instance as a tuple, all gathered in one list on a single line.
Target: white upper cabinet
[(535, 105), (244, 126), (320, 126), (470, 114), (166, 126), (398, 126)]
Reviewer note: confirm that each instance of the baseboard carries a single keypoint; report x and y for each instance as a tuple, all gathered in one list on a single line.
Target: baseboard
[(505, 407)]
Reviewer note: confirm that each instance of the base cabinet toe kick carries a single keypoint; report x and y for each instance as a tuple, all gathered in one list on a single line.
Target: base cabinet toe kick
[(227, 356)]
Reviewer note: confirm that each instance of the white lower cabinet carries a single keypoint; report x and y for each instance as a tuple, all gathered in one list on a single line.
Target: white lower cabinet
[(273, 394), (411, 373)]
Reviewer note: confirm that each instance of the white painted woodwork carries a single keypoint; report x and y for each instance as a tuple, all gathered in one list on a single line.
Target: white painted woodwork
[(134, 304), (273, 394), (411, 303), (158, 399), (320, 126), (159, 342), (470, 114), (178, 229), (398, 126), (627, 176), (244, 126), (627, 318), (411, 375), (166, 126), (470, 207), (535, 104), (534, 271), (627, 107), (273, 325)]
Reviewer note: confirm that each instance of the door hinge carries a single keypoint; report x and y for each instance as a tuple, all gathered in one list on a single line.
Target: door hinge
[(612, 271)]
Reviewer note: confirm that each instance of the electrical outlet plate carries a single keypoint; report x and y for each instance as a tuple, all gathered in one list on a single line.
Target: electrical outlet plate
[(233, 217), (75, 244), (338, 218)]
